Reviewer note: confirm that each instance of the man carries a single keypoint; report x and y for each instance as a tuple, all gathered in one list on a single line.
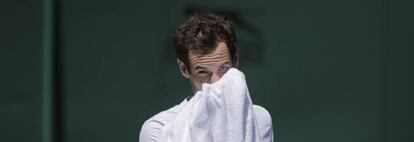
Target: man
[(221, 108)]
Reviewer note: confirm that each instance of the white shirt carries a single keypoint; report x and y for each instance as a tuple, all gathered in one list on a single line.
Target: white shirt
[(233, 116), (151, 129)]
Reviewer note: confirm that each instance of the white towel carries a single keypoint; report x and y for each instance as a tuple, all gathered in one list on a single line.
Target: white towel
[(220, 112)]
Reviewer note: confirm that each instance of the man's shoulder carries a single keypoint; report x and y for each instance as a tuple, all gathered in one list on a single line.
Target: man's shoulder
[(151, 128), (264, 121), (262, 114)]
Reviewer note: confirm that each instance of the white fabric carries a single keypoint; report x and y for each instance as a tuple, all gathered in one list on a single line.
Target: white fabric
[(221, 112)]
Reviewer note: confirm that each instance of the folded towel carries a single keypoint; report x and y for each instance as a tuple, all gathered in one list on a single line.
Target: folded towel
[(220, 112)]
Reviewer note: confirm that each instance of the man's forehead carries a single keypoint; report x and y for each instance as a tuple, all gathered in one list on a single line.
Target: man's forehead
[(218, 58), (220, 54)]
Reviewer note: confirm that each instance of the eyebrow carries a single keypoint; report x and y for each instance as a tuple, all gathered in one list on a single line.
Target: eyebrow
[(226, 63), (199, 67)]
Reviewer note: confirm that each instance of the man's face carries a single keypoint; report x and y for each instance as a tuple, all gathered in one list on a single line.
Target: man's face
[(207, 68)]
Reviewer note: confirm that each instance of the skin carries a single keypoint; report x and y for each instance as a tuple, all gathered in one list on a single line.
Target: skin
[(207, 68)]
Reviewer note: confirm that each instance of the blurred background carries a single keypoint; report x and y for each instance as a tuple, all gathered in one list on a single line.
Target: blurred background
[(95, 70)]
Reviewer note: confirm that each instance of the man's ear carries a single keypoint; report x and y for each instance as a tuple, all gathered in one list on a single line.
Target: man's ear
[(183, 69)]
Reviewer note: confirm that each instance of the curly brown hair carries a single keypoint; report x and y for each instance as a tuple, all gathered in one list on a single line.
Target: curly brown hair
[(201, 34)]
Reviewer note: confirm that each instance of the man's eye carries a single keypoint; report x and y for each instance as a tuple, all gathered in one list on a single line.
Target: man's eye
[(203, 73)]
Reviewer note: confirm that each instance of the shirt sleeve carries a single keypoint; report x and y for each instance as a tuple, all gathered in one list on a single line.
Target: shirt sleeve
[(264, 121), (150, 131)]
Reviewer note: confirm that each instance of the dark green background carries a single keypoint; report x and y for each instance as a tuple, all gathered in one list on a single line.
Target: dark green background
[(327, 71)]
